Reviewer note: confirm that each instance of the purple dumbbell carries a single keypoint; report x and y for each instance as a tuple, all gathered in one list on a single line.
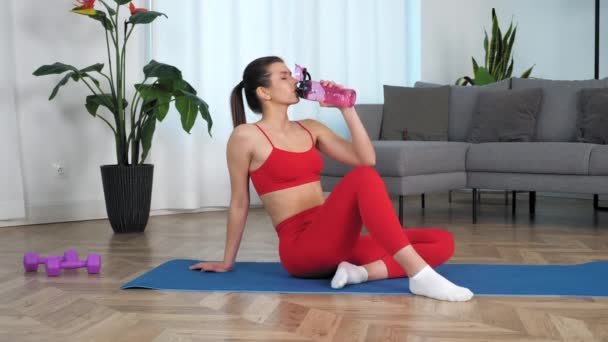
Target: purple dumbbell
[(54, 264), (31, 260)]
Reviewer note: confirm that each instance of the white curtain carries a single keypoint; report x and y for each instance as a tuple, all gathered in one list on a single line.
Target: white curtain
[(360, 44), (12, 205)]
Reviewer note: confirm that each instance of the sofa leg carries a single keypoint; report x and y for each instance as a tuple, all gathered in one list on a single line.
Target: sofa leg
[(513, 201), (422, 200), (532, 203), (474, 205), (450, 196), (596, 203), (401, 209)]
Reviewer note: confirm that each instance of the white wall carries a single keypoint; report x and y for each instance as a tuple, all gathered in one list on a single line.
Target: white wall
[(60, 130), (556, 35), (11, 193)]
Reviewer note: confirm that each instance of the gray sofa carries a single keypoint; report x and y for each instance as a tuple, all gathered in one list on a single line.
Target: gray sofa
[(554, 162)]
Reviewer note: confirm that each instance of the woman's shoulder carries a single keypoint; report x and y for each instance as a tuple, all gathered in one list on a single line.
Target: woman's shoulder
[(243, 134), (310, 123), (315, 126)]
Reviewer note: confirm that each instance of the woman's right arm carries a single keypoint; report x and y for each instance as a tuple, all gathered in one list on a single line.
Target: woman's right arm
[(238, 155)]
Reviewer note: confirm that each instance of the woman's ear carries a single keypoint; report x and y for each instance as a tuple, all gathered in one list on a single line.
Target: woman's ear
[(263, 93)]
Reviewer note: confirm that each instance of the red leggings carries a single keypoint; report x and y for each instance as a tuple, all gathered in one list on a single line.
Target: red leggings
[(312, 243)]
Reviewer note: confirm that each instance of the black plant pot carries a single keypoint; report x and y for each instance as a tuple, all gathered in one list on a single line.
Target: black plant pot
[(128, 192)]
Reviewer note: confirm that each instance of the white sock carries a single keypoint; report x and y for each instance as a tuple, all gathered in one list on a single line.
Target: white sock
[(429, 283), (348, 273)]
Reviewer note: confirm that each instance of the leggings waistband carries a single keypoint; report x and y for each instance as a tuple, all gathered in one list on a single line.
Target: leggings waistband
[(297, 219)]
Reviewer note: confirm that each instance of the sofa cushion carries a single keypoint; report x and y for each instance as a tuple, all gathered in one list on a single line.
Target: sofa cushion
[(530, 157), (508, 115), (598, 162), (557, 118), (371, 118), (461, 105), (592, 122), (415, 113), (409, 158)]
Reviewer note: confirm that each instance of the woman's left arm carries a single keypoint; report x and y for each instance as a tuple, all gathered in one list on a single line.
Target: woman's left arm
[(361, 144), (358, 152)]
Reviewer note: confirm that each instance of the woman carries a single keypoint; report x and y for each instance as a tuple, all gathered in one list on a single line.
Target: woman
[(318, 237)]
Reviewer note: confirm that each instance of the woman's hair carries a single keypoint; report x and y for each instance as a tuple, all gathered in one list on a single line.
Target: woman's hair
[(255, 75)]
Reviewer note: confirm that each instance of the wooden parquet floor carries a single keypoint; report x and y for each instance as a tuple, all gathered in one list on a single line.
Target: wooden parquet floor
[(80, 307)]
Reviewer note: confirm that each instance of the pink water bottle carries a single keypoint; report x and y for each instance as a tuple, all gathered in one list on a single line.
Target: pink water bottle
[(313, 90)]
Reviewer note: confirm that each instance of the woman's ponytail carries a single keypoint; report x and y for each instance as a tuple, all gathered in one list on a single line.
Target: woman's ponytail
[(236, 105)]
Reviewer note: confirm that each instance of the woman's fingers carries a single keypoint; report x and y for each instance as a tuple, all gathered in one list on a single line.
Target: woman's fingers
[(330, 84), (209, 267), (196, 266)]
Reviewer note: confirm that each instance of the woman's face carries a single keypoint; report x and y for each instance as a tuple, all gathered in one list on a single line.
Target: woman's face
[(282, 87)]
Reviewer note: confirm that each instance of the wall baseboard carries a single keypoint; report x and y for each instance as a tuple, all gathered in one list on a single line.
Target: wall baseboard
[(81, 211), (12, 209)]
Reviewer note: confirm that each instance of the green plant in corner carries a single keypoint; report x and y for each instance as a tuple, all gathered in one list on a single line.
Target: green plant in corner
[(498, 62), (151, 100)]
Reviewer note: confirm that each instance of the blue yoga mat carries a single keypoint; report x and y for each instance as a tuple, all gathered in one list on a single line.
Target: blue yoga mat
[(584, 280)]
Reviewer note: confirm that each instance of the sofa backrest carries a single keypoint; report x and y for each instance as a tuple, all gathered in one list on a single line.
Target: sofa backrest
[(371, 118), (560, 105), (462, 103)]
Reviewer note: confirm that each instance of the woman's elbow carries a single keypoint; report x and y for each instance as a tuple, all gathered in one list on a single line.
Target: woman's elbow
[(371, 161), (239, 202)]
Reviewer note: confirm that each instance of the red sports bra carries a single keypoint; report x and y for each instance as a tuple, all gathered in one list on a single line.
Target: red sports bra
[(284, 169)]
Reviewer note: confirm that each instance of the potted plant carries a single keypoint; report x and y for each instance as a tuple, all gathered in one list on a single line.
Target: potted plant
[(498, 61), (127, 184)]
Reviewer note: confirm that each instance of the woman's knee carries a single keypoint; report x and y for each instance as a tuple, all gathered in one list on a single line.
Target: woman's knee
[(446, 241), (363, 172)]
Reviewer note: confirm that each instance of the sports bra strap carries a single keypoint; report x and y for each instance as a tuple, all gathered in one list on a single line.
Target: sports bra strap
[(311, 138), (261, 130)]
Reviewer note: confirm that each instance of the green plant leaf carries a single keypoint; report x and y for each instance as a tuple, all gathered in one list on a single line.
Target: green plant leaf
[(147, 134), (204, 110), (94, 101), (55, 68), (96, 15), (73, 75), (147, 91), (494, 69), (493, 42), (527, 73), (83, 75), (145, 17), (510, 70), (201, 106), (95, 67), (111, 11), (161, 71), (509, 51), (485, 49), (103, 19), (483, 76), (122, 2), (188, 109), (158, 93), (475, 65), (162, 106)]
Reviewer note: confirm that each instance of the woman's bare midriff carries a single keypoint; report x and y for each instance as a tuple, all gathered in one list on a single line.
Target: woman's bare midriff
[(283, 204)]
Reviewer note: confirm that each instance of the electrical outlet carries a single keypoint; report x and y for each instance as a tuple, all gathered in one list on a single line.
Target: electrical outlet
[(59, 170)]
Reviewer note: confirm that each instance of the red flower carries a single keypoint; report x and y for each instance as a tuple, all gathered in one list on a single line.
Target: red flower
[(85, 4), (134, 10)]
